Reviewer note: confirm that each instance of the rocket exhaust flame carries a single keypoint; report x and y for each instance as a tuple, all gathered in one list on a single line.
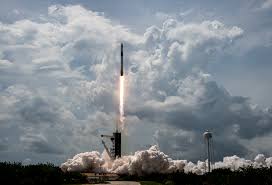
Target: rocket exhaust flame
[(121, 105)]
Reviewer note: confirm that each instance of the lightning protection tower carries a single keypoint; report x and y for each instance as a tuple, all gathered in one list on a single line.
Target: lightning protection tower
[(208, 141)]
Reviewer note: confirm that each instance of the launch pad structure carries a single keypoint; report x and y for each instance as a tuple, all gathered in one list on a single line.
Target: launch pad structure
[(115, 150)]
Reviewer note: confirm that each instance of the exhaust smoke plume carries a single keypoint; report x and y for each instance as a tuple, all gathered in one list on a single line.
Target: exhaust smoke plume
[(153, 161)]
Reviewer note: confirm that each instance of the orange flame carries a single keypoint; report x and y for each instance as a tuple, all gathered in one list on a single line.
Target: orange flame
[(121, 106)]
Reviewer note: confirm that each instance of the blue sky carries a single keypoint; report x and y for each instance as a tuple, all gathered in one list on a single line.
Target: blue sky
[(190, 66)]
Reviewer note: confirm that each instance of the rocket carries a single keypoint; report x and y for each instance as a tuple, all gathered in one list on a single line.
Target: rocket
[(121, 71)]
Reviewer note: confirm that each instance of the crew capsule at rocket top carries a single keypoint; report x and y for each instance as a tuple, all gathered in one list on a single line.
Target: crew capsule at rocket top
[(121, 71)]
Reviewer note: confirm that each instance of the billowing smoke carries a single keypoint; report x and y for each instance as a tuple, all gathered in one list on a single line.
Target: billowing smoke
[(154, 161)]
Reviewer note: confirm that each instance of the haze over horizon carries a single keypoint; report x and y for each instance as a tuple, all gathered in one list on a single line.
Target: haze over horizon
[(189, 66)]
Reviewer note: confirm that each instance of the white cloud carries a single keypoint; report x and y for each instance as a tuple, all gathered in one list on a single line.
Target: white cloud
[(267, 4)]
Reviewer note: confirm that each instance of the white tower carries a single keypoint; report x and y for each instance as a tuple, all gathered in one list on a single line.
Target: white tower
[(208, 139)]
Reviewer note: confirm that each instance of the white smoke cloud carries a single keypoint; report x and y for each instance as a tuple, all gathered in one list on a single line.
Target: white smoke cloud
[(154, 161), (142, 162), (83, 161)]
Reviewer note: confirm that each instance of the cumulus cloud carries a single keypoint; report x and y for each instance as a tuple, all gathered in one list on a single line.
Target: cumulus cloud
[(51, 70), (266, 4), (3, 144), (59, 81), (201, 104), (38, 144)]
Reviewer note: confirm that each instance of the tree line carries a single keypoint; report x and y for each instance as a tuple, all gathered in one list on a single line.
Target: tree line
[(243, 176), (39, 174)]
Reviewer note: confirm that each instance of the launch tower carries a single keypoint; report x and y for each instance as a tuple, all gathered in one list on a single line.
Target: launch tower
[(115, 151)]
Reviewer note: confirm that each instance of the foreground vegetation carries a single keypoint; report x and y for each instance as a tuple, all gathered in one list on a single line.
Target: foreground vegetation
[(150, 183), (246, 176), (18, 174), (41, 174)]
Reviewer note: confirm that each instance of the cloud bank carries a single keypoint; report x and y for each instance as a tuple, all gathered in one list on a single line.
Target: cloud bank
[(59, 79)]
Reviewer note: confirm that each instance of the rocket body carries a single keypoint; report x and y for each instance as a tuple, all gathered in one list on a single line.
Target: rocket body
[(122, 70)]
